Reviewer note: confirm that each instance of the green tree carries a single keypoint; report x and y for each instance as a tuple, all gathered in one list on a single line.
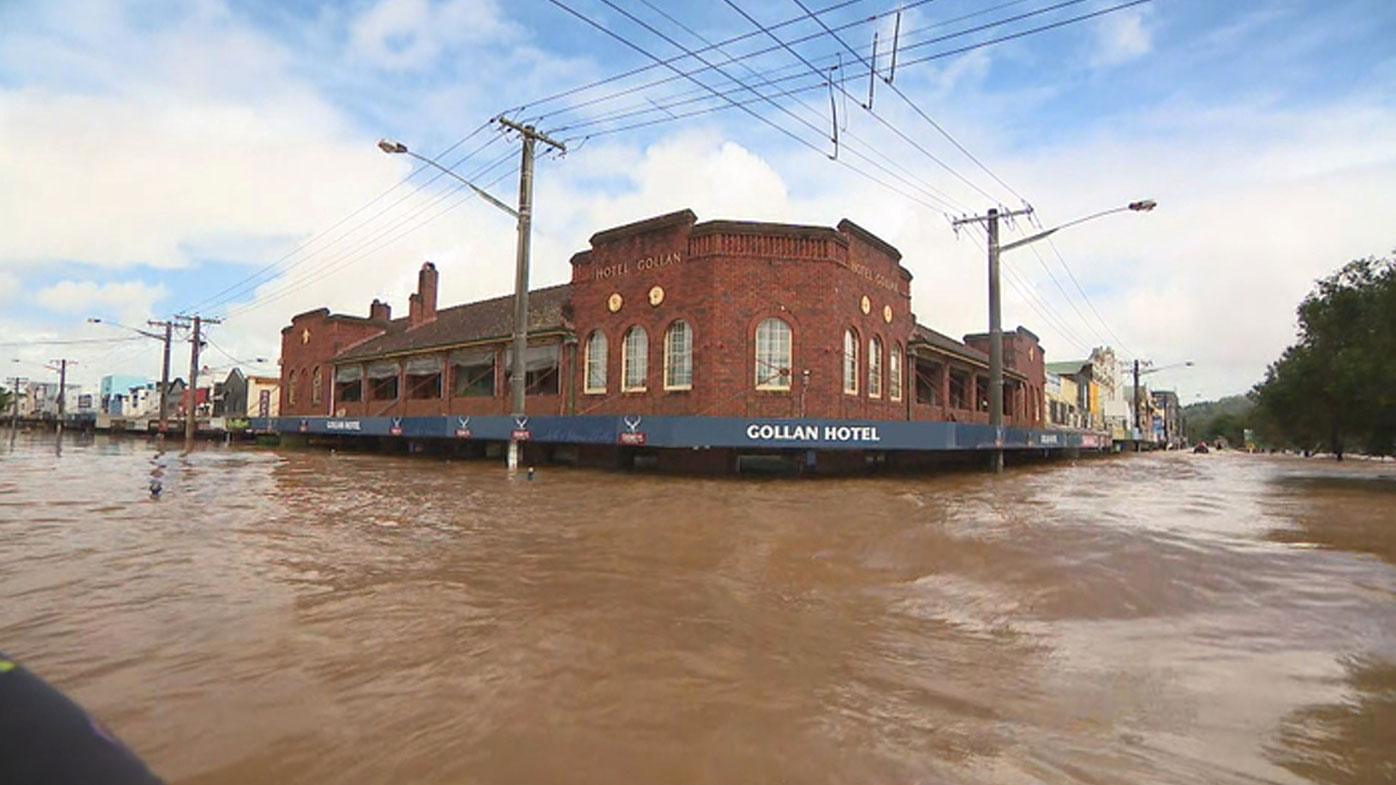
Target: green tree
[(1337, 385), (6, 400)]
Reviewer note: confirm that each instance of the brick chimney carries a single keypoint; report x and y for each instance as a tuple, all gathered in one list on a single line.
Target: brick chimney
[(426, 289), (414, 311), (380, 311)]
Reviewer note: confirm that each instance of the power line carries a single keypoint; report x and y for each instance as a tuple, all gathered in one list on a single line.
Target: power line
[(925, 188), (815, 70), (71, 341), (298, 285), (715, 92), (340, 222), (250, 283), (872, 67), (663, 63), (827, 59), (1085, 297)]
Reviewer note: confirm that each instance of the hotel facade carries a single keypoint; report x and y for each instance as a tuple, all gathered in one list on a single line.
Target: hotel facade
[(726, 337)]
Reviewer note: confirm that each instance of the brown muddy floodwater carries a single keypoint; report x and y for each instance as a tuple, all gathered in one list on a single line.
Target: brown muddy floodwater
[(298, 616)]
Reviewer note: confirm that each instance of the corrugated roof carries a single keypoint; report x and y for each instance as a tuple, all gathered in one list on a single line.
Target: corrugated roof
[(945, 343), (466, 323)]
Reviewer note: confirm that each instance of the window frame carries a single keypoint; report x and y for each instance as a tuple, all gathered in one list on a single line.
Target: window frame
[(875, 367), (490, 370), (629, 358), (669, 385), (850, 361), (963, 381), (894, 372), (377, 383), (537, 381), (782, 382), (590, 362)]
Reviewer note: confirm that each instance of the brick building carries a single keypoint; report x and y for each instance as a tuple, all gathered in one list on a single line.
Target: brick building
[(674, 318)]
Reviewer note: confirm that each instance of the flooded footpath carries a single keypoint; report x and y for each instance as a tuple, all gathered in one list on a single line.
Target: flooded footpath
[(302, 616)]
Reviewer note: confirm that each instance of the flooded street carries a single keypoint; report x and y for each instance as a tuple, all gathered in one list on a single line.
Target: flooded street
[(299, 616)]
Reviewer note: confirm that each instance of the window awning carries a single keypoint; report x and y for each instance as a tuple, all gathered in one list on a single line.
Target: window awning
[(422, 365), (536, 358), (348, 373), (382, 370), (470, 357)]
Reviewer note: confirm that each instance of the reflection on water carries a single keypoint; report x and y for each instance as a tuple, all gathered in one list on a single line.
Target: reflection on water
[(307, 617)]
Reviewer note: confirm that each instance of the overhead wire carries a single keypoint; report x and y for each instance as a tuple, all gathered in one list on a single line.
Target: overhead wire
[(686, 97), (298, 285), (921, 185), (820, 84), (1084, 296), (747, 109), (304, 245), (872, 69), (1035, 301), (249, 286)]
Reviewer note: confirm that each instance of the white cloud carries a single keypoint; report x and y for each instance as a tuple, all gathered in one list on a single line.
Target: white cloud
[(132, 301), (412, 34), (1121, 37)]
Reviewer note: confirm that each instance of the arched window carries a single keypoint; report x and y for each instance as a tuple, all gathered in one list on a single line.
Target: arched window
[(875, 367), (596, 363), (850, 362), (894, 372), (772, 355), (678, 357), (291, 388), (634, 358), (315, 385)]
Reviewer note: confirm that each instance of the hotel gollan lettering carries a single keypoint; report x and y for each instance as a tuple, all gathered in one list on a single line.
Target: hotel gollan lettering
[(794, 432)]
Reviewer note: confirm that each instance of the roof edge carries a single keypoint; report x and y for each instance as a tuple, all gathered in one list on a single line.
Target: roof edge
[(868, 237), (684, 216)]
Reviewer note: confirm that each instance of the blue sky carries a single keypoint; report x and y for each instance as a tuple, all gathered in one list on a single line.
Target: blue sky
[(154, 154)]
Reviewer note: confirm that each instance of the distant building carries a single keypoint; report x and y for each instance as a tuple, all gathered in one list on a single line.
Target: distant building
[(1063, 401), (1169, 429), (263, 396), (41, 400), (114, 391), (230, 395)]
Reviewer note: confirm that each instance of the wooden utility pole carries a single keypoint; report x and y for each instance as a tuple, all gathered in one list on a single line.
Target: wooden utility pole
[(519, 365), (15, 382), (62, 391), (991, 221), (193, 387), (164, 377)]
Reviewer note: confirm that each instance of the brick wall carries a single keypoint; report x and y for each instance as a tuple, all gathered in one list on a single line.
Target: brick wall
[(307, 345), (724, 278)]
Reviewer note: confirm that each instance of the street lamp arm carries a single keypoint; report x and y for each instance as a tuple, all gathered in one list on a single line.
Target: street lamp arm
[(391, 147), (1143, 205), (125, 327)]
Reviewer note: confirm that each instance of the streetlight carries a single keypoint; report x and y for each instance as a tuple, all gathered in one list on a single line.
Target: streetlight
[(523, 217), (995, 325), (1141, 206), (164, 365)]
